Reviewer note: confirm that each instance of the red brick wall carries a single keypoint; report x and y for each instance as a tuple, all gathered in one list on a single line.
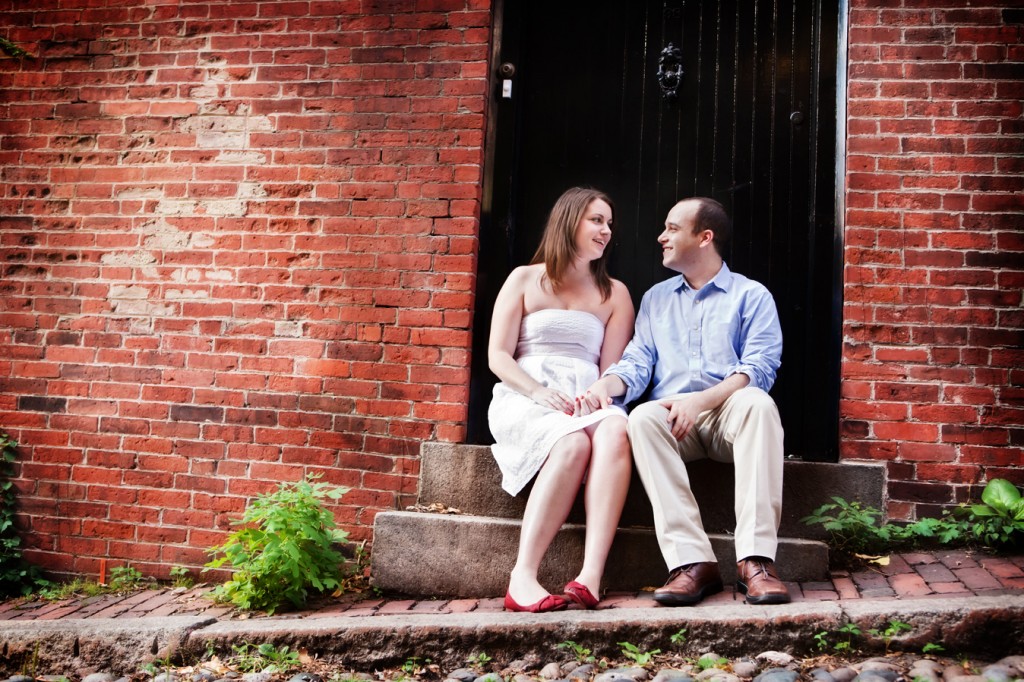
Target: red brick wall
[(932, 367), (238, 244)]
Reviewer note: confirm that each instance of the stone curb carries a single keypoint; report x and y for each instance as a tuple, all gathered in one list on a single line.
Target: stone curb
[(119, 646), (990, 626)]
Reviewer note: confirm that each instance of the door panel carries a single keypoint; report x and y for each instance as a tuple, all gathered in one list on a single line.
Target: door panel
[(753, 126)]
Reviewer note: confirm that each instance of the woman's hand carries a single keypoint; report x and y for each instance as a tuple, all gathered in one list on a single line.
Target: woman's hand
[(550, 398)]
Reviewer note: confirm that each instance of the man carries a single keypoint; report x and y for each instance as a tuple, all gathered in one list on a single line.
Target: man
[(709, 343)]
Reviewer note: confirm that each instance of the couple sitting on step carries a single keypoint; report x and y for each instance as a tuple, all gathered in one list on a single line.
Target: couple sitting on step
[(568, 353)]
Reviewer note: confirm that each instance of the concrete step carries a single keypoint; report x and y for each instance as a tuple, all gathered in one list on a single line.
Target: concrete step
[(446, 555), (467, 478)]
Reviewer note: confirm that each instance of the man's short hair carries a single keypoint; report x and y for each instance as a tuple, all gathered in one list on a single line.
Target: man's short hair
[(711, 215)]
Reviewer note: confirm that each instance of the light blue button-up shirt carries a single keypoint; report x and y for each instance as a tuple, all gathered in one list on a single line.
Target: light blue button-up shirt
[(688, 340)]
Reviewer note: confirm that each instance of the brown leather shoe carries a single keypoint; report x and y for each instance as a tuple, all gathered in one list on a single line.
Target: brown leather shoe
[(688, 584), (757, 578)]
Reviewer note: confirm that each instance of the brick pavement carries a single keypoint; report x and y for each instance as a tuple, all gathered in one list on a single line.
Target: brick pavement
[(908, 575)]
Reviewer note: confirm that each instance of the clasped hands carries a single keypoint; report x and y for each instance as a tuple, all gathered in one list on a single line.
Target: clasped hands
[(591, 401), (682, 411)]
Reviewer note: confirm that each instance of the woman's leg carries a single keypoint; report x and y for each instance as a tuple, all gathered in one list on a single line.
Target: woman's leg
[(552, 496), (611, 464)]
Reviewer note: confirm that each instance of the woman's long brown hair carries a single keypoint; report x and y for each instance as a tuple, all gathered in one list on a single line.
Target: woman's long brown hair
[(558, 245)]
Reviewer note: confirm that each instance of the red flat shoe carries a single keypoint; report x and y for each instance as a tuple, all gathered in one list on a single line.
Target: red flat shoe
[(580, 594), (548, 603)]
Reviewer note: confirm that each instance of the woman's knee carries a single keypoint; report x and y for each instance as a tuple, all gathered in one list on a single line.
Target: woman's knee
[(612, 439), (571, 450)]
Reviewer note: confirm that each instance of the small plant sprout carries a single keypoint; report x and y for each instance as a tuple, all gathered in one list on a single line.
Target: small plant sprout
[(932, 648), (679, 638), (125, 578), (821, 640), (891, 631), (265, 658), (851, 630), (637, 655), (180, 577), (711, 661), (582, 653), (479, 659)]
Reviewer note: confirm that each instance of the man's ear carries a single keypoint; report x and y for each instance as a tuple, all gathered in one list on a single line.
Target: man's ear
[(707, 237)]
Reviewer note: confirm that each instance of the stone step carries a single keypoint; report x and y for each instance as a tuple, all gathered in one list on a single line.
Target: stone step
[(467, 478), (448, 555)]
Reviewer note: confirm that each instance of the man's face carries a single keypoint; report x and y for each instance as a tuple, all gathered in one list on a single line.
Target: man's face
[(680, 247)]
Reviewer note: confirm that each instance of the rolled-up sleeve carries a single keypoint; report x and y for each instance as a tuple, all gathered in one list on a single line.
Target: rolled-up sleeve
[(760, 340)]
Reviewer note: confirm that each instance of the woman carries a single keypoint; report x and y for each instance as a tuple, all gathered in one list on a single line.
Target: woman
[(557, 324)]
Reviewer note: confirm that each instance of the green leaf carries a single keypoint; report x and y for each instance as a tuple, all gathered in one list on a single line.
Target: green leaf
[(1001, 495)]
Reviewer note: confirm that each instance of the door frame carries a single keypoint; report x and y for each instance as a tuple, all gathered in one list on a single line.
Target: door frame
[(476, 428)]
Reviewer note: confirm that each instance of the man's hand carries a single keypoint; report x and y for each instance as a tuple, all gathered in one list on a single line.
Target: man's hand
[(599, 395), (683, 413)]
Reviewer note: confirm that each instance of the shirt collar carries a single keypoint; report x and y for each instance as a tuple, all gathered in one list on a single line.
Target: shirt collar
[(722, 280)]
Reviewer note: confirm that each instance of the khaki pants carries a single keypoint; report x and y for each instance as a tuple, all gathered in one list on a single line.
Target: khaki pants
[(745, 430)]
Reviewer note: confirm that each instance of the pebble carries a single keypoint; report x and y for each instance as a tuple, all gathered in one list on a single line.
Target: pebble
[(999, 673), (522, 677), (251, 677), (490, 677), (462, 675), (672, 675), (776, 658), (717, 675), (616, 674), (877, 676), (745, 667), (582, 672), (844, 674), (777, 675), (552, 671), (822, 675), (305, 677)]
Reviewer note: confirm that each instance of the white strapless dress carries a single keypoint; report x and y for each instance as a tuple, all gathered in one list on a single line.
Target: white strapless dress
[(560, 349)]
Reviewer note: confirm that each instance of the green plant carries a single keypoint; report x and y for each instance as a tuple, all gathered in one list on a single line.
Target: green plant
[(264, 658), (125, 578), (412, 665), (999, 519), (479, 659), (932, 648), (851, 630), (709, 661), (855, 529), (180, 577), (17, 576), (78, 586), (11, 50), (821, 640), (157, 666), (891, 631), (638, 655), (285, 549), (679, 638), (582, 653)]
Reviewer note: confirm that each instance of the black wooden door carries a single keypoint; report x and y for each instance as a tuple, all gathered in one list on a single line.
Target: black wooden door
[(751, 124)]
